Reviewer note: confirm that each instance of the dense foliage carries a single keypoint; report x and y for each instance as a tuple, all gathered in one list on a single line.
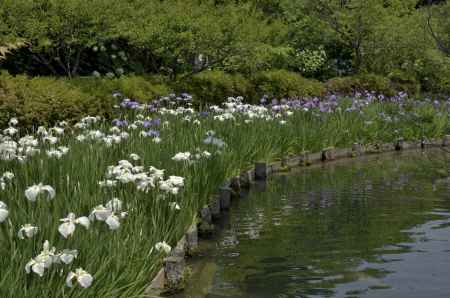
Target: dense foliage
[(73, 37), (406, 40)]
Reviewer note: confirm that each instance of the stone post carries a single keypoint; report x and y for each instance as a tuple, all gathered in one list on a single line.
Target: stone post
[(214, 206), (400, 145), (205, 226), (446, 141), (328, 154), (225, 198), (235, 184), (174, 272), (180, 249), (191, 239), (246, 179), (357, 149), (261, 171), (205, 215), (304, 158), (388, 147)]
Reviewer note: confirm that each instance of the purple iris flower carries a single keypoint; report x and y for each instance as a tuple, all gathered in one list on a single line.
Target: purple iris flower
[(186, 96), (156, 122), (119, 123), (147, 123), (309, 105), (153, 122), (152, 133), (130, 104), (323, 108)]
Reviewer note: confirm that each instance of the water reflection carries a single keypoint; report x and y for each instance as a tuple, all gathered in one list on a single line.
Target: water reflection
[(368, 228)]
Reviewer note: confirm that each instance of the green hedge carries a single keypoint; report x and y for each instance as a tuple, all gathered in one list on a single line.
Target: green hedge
[(45, 100), (389, 86), (215, 86), (282, 83), (368, 82), (401, 81), (143, 88)]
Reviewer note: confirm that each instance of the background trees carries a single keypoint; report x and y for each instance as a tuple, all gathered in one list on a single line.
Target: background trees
[(406, 40), (71, 37)]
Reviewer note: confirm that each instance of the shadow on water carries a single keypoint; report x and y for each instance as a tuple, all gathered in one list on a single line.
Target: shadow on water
[(372, 227)]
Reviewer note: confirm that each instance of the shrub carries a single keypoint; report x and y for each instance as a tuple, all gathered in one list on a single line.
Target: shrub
[(137, 87), (44, 100), (282, 83), (360, 83), (310, 62), (215, 86), (433, 72), (443, 86), (402, 81), (47, 100)]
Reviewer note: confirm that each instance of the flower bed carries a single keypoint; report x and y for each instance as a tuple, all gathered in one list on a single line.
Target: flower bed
[(91, 210)]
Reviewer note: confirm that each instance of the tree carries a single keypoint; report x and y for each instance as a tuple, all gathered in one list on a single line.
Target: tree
[(355, 22), (438, 25), (71, 37), (59, 32), (177, 32)]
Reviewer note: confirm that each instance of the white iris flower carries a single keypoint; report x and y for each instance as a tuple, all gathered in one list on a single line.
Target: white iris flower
[(67, 256), (134, 156), (3, 212), (28, 231), (182, 156), (110, 214), (163, 246), (83, 278), (34, 191), (43, 261), (68, 227)]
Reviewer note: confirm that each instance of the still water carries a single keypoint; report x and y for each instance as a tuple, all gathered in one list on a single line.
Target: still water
[(372, 227)]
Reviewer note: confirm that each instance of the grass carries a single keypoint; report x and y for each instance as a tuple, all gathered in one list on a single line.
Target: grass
[(123, 261)]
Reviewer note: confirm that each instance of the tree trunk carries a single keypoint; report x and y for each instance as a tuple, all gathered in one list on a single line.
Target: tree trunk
[(42, 60)]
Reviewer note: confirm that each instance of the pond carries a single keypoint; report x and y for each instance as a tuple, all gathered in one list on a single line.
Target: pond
[(377, 226)]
